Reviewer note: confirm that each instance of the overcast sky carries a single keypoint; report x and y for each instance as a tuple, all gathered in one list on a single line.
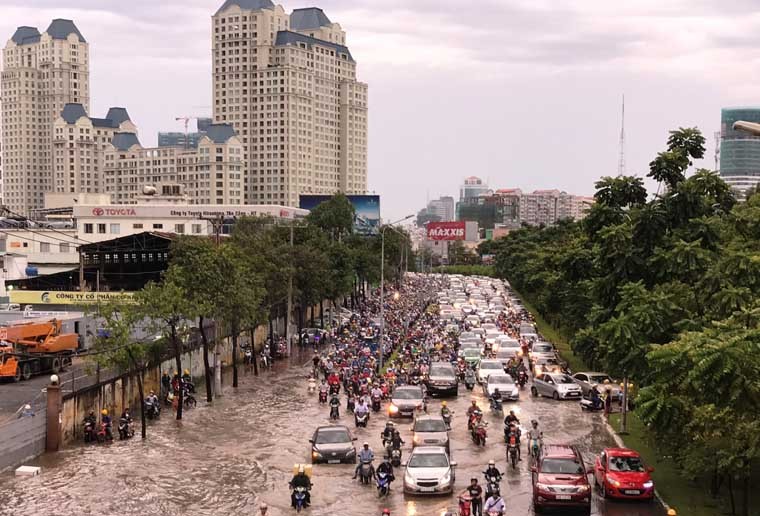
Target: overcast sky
[(523, 93)]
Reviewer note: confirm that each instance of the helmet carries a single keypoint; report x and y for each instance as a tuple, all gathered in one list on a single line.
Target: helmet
[(443, 403), (300, 468), (152, 392), (491, 462), (27, 407), (187, 371), (365, 443), (496, 389), (263, 506), (512, 412), (474, 403), (672, 512), (104, 412), (607, 380)]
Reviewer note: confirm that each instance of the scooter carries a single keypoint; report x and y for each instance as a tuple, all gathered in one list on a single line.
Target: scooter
[(351, 404), (496, 405), (152, 410), (522, 378), (383, 484), (126, 429), (104, 434), (323, 395), (312, 386), (361, 419), (300, 496), (334, 413), (365, 472), (492, 485), (465, 505), (512, 452), (478, 434), (376, 403), (447, 419), (588, 406), (89, 432), (469, 381), (395, 457)]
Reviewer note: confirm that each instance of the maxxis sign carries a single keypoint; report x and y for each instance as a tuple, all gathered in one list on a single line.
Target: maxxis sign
[(446, 230)]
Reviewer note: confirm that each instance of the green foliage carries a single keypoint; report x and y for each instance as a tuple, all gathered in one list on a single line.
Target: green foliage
[(467, 270)]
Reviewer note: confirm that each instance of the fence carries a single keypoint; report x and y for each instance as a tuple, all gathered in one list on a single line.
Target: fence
[(23, 439)]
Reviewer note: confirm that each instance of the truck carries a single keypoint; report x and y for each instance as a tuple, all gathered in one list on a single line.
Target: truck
[(36, 347)]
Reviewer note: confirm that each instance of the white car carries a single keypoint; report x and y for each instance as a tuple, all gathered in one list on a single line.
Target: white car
[(506, 343), (429, 471), (488, 367), (506, 385)]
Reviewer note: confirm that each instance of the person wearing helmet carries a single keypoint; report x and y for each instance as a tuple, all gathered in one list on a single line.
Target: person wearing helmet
[(89, 423), (300, 479), (494, 504), (396, 440), (386, 512), (105, 419), (186, 376), (263, 508), (446, 414), (366, 455), (387, 433), (495, 397), (387, 468), (26, 411), (492, 471)]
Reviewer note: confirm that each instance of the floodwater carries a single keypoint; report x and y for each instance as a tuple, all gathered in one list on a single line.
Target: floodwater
[(226, 458)]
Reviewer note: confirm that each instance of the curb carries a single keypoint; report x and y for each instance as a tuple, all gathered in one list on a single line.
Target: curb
[(619, 441)]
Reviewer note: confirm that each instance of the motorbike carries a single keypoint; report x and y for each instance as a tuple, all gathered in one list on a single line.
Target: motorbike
[(312, 386), (300, 496), (188, 400), (334, 413), (361, 419), (323, 395), (365, 472), (465, 505), (383, 483), (492, 485), (479, 434), (396, 457), (512, 454), (496, 405), (588, 406), (89, 431), (126, 430), (265, 361), (335, 388), (152, 410), (104, 433), (376, 403), (469, 381), (447, 419), (350, 404), (535, 449), (522, 378)]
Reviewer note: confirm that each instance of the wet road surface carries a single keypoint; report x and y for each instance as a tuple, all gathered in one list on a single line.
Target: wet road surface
[(226, 458)]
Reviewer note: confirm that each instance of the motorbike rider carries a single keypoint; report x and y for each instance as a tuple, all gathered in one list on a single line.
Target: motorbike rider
[(365, 455), (534, 434), (396, 440), (511, 419), (495, 503), (106, 420), (475, 494), (166, 384), (125, 419), (596, 399), (300, 479), (335, 405), (495, 397), (186, 376), (387, 433), (387, 468), (514, 431), (376, 392), (92, 420), (445, 412), (361, 407), (492, 471), (323, 388), (472, 408)]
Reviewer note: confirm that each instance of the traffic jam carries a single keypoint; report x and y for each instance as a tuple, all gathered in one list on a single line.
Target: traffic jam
[(458, 406)]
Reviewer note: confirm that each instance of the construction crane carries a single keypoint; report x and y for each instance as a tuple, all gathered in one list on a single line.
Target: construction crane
[(186, 120), (32, 348)]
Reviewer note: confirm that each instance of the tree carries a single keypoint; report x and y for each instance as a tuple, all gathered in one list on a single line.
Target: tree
[(621, 191), (334, 216), (683, 146)]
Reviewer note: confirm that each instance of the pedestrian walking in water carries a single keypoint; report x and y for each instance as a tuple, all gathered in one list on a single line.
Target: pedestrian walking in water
[(607, 403), (263, 509)]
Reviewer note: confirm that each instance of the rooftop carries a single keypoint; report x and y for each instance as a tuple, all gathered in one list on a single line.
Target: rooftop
[(124, 141), (61, 28), (247, 5), (25, 35), (73, 112), (220, 133), (309, 18), (286, 37)]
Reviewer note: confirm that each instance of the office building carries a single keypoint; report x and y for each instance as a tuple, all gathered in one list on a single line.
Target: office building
[(187, 140), (472, 187), (739, 151), (288, 85), (42, 72), (442, 208)]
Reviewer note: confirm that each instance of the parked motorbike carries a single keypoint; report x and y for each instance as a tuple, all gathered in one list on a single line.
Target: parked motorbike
[(588, 406), (383, 484)]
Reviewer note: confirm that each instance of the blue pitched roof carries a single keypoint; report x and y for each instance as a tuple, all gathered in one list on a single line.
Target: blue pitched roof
[(73, 112), (60, 29), (123, 141), (247, 5), (103, 122), (220, 133), (286, 37), (25, 35), (308, 18), (118, 115)]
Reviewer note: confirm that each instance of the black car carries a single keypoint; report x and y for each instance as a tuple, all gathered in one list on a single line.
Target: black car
[(332, 444), (442, 379)]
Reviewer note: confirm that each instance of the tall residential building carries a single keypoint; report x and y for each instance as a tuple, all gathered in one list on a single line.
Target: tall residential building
[(472, 187), (287, 84), (41, 74), (739, 151), (79, 145), (442, 208), (176, 139)]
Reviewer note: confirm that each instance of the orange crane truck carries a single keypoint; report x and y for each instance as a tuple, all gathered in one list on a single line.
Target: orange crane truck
[(33, 348)]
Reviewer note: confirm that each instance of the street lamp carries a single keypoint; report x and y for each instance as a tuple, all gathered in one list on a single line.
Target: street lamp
[(382, 286)]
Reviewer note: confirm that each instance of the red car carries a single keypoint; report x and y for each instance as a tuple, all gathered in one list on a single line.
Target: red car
[(620, 473), (560, 480)]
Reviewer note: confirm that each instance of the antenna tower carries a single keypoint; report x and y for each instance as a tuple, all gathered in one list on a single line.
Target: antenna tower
[(621, 160)]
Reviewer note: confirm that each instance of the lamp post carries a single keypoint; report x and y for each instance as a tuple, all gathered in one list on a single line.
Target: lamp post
[(382, 287)]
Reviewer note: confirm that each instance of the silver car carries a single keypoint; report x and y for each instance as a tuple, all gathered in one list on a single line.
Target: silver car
[(587, 380), (430, 431), (405, 400), (556, 385), (429, 471), (506, 385)]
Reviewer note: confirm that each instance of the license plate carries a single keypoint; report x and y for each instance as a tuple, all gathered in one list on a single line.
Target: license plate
[(333, 461), (631, 492), (564, 497), (427, 489)]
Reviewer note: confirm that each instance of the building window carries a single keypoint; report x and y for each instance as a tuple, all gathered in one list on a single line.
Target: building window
[(197, 228), (179, 228), (102, 229), (64, 248), (115, 229), (88, 228), (137, 226), (44, 247), (158, 226)]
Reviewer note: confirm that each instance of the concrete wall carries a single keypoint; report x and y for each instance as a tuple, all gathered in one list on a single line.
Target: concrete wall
[(118, 393), (23, 439)]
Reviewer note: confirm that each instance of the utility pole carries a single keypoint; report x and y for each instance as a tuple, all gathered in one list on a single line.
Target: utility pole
[(624, 419), (290, 295)]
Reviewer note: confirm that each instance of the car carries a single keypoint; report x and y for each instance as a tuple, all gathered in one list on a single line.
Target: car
[(556, 385), (480, 332), (541, 350), (472, 356), (587, 380), (620, 473), (405, 400), (546, 365), (488, 367), (505, 342), (332, 444), (430, 431), (442, 379), (429, 471), (560, 480), (504, 356), (506, 385), (473, 320)]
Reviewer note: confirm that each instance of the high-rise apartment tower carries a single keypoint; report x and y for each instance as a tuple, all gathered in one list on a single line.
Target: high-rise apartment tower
[(287, 84)]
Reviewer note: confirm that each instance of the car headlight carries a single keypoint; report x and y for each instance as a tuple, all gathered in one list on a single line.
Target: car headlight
[(583, 488), (648, 484), (350, 452), (315, 454), (542, 487), (392, 408), (416, 439), (613, 482), (446, 478)]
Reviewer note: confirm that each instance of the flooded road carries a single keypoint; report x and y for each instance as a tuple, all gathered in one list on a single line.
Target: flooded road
[(227, 458)]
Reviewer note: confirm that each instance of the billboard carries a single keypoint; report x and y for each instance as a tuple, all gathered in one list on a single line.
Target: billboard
[(446, 230), (56, 297), (367, 208)]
